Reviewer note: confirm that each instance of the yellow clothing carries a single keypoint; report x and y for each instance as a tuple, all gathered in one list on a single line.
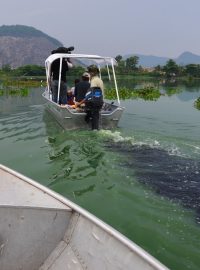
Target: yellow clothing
[(97, 82)]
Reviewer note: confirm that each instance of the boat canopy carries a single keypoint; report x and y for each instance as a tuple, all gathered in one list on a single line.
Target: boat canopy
[(96, 58), (100, 61)]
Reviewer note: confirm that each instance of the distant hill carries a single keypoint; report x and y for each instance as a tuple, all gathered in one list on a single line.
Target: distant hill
[(152, 61), (24, 45), (187, 58)]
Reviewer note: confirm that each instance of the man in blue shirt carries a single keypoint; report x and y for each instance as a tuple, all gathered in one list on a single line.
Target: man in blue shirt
[(82, 87)]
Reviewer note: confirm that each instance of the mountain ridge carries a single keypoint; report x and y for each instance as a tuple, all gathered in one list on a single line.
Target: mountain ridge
[(24, 45), (184, 58)]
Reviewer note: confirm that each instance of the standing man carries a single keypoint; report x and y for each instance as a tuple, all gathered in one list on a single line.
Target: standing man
[(94, 97), (55, 68)]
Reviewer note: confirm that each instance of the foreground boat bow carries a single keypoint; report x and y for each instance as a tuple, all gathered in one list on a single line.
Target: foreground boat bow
[(42, 230)]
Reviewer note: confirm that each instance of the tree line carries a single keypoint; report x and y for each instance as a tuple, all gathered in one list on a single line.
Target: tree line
[(34, 70), (127, 66), (170, 69)]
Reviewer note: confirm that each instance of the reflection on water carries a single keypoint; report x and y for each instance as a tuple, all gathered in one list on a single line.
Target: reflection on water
[(21, 126)]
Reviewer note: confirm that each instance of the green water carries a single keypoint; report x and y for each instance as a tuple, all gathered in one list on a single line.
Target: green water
[(104, 171)]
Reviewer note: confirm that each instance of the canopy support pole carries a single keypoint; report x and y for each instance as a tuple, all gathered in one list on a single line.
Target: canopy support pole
[(116, 88), (59, 81), (48, 78), (108, 72), (99, 71)]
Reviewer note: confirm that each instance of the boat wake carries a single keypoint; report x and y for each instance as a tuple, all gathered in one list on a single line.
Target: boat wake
[(167, 171)]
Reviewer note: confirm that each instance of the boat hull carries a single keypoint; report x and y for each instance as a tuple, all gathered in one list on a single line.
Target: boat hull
[(71, 119)]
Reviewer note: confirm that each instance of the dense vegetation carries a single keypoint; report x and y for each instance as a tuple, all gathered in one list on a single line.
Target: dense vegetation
[(28, 70), (147, 93), (33, 71), (128, 66), (170, 69), (197, 103)]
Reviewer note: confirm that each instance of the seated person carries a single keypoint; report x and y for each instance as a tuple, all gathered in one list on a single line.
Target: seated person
[(73, 88), (70, 97), (82, 87)]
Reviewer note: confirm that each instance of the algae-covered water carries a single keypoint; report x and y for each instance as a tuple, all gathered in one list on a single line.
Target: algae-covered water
[(142, 178)]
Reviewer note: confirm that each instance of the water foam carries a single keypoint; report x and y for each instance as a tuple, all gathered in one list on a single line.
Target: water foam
[(116, 136), (171, 148)]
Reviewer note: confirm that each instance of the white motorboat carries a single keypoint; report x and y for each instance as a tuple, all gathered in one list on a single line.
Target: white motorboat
[(42, 230), (70, 118)]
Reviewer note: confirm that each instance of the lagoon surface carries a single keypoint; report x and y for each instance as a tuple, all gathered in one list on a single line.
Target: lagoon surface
[(142, 178)]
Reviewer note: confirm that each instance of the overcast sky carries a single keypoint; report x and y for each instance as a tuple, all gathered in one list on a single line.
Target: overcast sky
[(112, 27)]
